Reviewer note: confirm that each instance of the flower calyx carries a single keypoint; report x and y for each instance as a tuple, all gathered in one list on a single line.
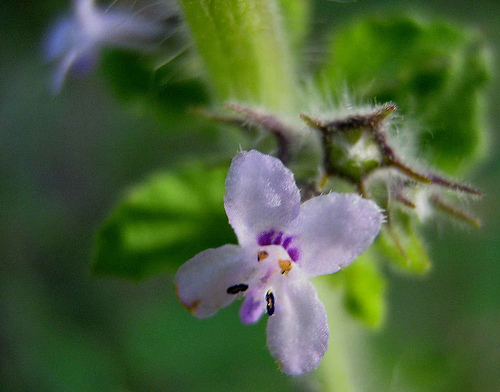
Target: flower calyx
[(356, 149)]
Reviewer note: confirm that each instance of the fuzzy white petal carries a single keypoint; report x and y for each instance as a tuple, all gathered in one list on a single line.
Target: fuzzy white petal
[(261, 194), (297, 333), (335, 229), (202, 281)]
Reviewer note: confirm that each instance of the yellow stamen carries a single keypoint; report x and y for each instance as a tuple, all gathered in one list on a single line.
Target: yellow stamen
[(285, 265), (262, 255)]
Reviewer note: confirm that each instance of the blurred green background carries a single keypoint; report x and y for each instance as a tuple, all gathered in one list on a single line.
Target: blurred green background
[(65, 161)]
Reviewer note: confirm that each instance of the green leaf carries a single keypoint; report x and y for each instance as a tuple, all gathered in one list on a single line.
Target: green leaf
[(364, 290), (244, 49), (163, 222), (401, 245), (166, 92), (434, 71)]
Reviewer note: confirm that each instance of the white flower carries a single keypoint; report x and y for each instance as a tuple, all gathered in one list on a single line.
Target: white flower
[(76, 40), (281, 245)]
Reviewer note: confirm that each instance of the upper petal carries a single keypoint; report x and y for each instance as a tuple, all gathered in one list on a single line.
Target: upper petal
[(297, 333), (202, 281), (261, 195), (334, 229)]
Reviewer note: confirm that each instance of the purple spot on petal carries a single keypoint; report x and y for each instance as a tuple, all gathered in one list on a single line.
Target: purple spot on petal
[(279, 237), (266, 238), (287, 242), (268, 274), (294, 254), (251, 310)]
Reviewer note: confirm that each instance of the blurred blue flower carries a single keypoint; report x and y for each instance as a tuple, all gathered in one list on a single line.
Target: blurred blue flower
[(281, 245), (75, 40)]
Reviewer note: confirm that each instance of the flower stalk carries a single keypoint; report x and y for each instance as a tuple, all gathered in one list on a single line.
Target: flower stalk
[(243, 48)]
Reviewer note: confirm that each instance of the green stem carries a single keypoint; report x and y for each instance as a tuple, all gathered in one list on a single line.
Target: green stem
[(242, 44), (334, 371)]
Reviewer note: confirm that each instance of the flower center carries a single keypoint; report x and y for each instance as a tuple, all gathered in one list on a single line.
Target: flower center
[(273, 260), (276, 256), (273, 237)]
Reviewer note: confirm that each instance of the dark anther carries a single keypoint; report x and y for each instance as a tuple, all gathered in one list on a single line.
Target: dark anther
[(270, 303), (237, 288)]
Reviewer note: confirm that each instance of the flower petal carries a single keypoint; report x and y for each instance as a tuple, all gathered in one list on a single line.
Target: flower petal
[(261, 195), (63, 68), (59, 39), (202, 282), (297, 333), (253, 307), (335, 229)]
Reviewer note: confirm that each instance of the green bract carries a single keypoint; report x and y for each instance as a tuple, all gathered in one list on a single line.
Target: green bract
[(401, 245)]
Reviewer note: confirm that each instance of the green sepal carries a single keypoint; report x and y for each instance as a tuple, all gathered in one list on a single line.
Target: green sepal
[(434, 71), (352, 154), (160, 224), (401, 246)]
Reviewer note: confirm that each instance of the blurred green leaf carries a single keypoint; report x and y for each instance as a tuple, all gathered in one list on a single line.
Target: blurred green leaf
[(163, 222), (49, 350), (364, 289), (167, 91), (401, 245), (296, 20), (170, 350), (434, 71), (425, 367)]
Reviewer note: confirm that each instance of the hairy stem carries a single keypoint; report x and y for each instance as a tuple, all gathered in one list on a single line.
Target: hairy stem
[(242, 44)]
